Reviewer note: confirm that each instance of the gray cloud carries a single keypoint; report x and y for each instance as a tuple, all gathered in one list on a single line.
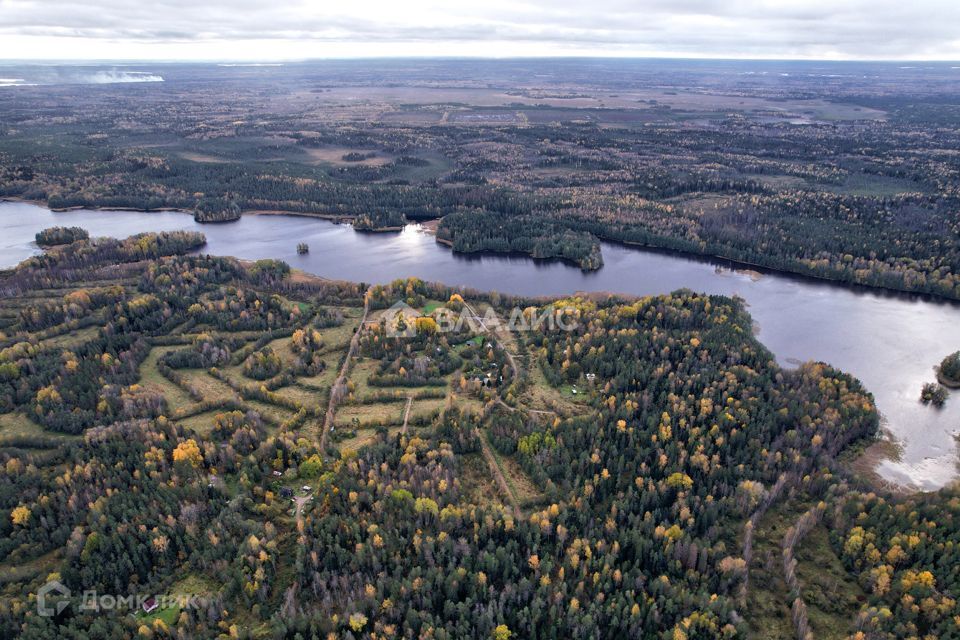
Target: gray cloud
[(790, 28)]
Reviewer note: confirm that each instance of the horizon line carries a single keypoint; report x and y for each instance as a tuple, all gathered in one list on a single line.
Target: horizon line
[(300, 60)]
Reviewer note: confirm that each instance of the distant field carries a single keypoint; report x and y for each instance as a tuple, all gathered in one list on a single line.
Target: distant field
[(335, 156)]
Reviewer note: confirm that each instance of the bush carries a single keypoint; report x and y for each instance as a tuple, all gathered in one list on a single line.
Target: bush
[(933, 393), (262, 364)]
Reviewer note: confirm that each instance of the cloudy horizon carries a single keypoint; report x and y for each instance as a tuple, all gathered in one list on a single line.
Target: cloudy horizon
[(258, 30)]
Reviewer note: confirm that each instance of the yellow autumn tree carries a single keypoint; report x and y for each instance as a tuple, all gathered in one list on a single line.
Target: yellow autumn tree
[(188, 451), (20, 516)]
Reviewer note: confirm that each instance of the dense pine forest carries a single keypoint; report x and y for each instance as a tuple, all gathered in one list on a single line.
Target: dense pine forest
[(312, 459)]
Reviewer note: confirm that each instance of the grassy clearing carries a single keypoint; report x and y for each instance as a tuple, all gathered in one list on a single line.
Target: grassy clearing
[(305, 397), (202, 423), (426, 407), (832, 595), (431, 306), (210, 387), (279, 414), (235, 375), (384, 412), (71, 339), (543, 397), (768, 598), (150, 377), (363, 438), (194, 585), (281, 346), (169, 616), (360, 374), (476, 484), (14, 426), (523, 488), (312, 428), (864, 184), (23, 571), (324, 379), (338, 338)]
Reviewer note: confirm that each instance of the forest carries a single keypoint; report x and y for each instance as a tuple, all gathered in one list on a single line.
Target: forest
[(849, 176), (307, 459)]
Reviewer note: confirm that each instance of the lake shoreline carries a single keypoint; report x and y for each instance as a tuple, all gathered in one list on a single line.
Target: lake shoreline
[(887, 339), (717, 259)]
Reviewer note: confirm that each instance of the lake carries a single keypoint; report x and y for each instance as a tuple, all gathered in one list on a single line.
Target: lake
[(891, 342)]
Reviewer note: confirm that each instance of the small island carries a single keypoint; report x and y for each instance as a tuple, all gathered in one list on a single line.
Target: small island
[(948, 373), (303, 248), (56, 236), (933, 393)]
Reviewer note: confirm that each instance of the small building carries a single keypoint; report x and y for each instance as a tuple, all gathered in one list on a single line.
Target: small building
[(286, 492), (149, 605), (306, 487), (277, 474), (591, 377)]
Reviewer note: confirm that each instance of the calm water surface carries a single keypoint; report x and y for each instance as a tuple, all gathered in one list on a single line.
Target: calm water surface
[(890, 342)]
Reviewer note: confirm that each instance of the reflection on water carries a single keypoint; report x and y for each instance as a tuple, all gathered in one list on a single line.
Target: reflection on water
[(890, 342)]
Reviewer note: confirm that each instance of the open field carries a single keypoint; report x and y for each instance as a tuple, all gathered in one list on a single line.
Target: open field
[(14, 426), (150, 377)]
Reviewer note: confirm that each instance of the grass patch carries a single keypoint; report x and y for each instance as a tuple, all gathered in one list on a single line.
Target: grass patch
[(303, 396), (194, 585), (150, 377), (865, 184), (324, 379), (427, 407), (71, 339), (281, 347), (363, 438), (210, 387), (431, 306), (542, 396), (382, 412), (476, 484), (24, 571), (270, 411), (15, 426), (832, 594), (169, 616), (338, 338), (520, 484), (202, 423), (768, 598)]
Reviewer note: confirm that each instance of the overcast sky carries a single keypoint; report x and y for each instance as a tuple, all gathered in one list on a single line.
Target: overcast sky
[(296, 29)]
